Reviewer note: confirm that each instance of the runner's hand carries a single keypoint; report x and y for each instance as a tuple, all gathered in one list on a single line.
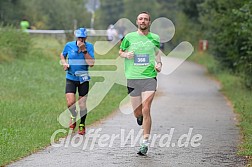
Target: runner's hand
[(81, 45), (129, 55), (158, 67), (65, 66)]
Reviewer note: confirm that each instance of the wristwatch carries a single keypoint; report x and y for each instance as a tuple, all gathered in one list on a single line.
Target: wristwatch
[(85, 52), (160, 63)]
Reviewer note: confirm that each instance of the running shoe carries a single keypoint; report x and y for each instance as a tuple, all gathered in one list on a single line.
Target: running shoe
[(140, 120), (143, 150), (72, 123), (82, 129)]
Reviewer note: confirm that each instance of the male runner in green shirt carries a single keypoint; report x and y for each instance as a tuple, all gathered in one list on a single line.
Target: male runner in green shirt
[(142, 62)]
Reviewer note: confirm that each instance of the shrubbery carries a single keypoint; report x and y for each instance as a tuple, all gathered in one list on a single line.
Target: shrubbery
[(228, 26)]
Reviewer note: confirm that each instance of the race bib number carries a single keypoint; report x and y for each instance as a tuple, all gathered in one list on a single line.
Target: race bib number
[(83, 76), (141, 59)]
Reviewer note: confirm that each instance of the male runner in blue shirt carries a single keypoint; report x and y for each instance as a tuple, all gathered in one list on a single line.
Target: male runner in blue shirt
[(76, 57)]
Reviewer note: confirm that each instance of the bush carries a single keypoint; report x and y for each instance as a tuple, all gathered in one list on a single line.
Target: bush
[(228, 27), (13, 43)]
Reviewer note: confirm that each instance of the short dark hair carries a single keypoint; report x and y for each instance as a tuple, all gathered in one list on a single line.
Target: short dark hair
[(145, 12)]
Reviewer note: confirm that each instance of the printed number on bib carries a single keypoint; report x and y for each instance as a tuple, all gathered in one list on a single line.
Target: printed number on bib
[(84, 78), (141, 59)]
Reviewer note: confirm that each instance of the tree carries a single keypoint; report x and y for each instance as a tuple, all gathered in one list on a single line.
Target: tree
[(60, 14), (190, 8), (11, 12), (109, 13), (57, 14), (228, 27)]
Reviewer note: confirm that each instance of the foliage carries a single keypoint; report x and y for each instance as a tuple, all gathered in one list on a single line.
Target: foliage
[(60, 14), (109, 13), (13, 43), (190, 8), (244, 29), (228, 27), (57, 14), (7, 16)]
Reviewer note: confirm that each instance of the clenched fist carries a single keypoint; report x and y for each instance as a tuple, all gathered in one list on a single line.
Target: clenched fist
[(81, 45)]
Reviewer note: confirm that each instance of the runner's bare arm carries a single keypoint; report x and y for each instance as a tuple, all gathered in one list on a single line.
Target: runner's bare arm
[(63, 62), (90, 61), (158, 60)]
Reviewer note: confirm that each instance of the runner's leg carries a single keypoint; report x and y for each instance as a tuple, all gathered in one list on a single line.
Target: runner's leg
[(147, 98)]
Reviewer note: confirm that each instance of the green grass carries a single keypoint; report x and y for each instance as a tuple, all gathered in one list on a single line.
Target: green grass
[(233, 88), (13, 43), (241, 99), (32, 97)]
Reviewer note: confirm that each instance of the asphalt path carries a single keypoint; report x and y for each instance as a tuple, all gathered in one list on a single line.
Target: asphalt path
[(193, 124)]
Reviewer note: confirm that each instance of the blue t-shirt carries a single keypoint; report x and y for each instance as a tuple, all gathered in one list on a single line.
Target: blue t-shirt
[(76, 60)]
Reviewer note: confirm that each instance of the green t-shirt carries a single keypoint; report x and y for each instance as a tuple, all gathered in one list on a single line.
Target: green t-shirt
[(24, 25), (144, 46)]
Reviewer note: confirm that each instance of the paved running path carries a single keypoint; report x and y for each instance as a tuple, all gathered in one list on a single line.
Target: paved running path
[(187, 103)]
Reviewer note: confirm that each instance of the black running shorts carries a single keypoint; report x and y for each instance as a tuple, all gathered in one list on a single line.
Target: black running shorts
[(71, 87)]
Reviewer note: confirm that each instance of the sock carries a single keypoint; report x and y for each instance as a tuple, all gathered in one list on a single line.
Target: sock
[(72, 110), (146, 142), (83, 115)]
